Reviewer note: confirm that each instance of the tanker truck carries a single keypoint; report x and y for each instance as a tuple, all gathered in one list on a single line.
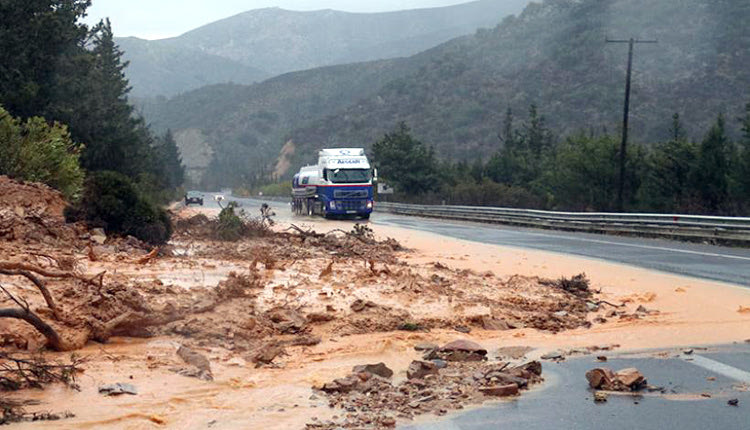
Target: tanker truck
[(340, 185)]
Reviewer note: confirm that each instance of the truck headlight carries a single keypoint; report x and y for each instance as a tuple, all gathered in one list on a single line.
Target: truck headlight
[(369, 204)]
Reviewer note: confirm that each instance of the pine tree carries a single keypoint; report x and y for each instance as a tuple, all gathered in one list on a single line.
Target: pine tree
[(713, 168)]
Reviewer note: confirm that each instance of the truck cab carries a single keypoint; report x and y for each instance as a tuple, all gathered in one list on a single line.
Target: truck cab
[(341, 184)]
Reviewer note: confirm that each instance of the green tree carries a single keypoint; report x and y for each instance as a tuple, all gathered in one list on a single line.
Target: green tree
[(586, 176), (36, 37), (405, 162), (38, 152), (744, 163), (669, 180), (168, 156), (714, 168)]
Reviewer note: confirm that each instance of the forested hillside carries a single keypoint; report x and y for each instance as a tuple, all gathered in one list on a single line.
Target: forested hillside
[(454, 96), (554, 56), (267, 42)]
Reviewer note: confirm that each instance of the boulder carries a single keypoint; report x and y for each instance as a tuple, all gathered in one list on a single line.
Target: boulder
[(379, 369), (500, 390), (419, 369)]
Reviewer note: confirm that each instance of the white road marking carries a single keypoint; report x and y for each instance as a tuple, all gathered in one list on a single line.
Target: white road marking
[(633, 245), (720, 368)]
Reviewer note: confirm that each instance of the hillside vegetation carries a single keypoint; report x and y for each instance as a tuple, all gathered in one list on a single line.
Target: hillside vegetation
[(262, 43), (454, 96)]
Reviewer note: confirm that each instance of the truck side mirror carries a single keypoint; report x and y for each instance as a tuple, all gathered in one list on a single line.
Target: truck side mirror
[(374, 176)]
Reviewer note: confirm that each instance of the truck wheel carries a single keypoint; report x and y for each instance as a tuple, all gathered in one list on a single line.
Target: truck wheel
[(365, 216), (310, 209)]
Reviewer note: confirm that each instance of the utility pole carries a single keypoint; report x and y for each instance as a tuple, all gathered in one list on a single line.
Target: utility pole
[(623, 145)]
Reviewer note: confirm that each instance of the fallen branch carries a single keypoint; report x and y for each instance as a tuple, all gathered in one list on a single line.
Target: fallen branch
[(25, 314), (40, 285), (604, 302)]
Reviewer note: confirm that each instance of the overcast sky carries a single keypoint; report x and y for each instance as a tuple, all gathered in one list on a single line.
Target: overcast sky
[(155, 19)]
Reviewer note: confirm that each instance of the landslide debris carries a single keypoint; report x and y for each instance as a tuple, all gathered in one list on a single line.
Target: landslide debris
[(370, 400)]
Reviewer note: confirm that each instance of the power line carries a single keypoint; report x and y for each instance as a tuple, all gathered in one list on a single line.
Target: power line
[(623, 145)]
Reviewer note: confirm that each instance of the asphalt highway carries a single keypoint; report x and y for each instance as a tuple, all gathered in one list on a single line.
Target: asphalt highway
[(718, 263)]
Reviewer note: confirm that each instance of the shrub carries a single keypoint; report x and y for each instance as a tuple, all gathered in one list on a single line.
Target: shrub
[(38, 152), (111, 200), (230, 227)]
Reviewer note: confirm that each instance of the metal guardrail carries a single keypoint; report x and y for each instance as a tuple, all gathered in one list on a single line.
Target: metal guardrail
[(717, 229)]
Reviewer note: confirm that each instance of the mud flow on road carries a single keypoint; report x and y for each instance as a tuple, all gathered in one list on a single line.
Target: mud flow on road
[(267, 331)]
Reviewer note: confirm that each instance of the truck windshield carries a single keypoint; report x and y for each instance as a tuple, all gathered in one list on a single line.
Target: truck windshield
[(348, 176)]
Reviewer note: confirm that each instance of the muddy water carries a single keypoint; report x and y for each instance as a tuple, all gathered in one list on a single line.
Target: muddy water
[(692, 312)]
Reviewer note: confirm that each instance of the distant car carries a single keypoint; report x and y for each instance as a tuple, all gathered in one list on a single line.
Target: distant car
[(193, 197)]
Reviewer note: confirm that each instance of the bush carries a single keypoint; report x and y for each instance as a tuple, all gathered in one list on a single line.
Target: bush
[(37, 152), (111, 200), (230, 227)]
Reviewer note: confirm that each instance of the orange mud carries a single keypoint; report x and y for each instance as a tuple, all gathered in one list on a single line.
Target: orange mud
[(690, 312)]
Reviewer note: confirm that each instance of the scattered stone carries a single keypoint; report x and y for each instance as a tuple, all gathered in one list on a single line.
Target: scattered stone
[(592, 307), (462, 350), (117, 389), (706, 395), (554, 355), (513, 352), (560, 314), (379, 369), (601, 358), (687, 351), (600, 397), (462, 329), (441, 364), (98, 236), (410, 326), (267, 354), (500, 390), (733, 402), (425, 346), (320, 317), (287, 321), (198, 361), (419, 369), (490, 323), (629, 379)]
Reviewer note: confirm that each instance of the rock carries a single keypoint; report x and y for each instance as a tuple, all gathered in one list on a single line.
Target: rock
[(388, 422), (601, 358), (600, 378), (592, 307), (318, 317), (425, 346), (197, 360), (631, 378), (267, 354), (358, 306), (505, 378), (441, 364), (98, 236), (117, 389), (641, 310), (500, 390), (419, 369), (341, 385), (534, 367), (733, 402), (491, 323), (554, 355), (687, 351), (600, 397), (379, 369), (560, 314), (462, 329), (287, 321), (464, 345)]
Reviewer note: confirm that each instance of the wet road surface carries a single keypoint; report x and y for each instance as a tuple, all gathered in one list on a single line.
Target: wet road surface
[(564, 401)]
